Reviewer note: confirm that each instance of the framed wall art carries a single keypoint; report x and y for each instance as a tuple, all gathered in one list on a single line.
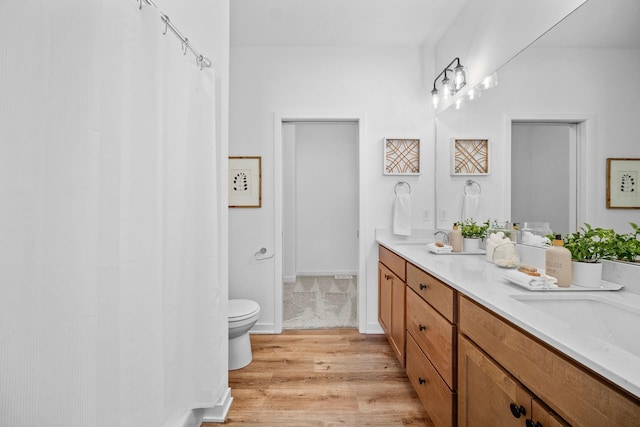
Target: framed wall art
[(622, 183), (401, 156), (245, 182), (469, 156)]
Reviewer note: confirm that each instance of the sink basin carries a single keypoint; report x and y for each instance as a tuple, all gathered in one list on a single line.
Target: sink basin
[(605, 318)]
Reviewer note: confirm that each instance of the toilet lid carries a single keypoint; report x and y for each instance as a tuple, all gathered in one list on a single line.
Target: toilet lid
[(240, 309)]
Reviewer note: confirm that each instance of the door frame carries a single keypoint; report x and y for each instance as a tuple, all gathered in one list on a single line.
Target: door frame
[(585, 133), (278, 120)]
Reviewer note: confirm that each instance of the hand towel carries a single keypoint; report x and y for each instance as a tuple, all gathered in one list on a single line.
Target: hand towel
[(402, 215), (471, 206), (439, 249)]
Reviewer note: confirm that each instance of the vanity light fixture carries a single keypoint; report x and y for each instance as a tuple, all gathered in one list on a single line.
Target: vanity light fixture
[(449, 87)]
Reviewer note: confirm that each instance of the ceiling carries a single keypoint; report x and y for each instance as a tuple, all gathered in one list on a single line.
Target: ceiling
[(341, 22)]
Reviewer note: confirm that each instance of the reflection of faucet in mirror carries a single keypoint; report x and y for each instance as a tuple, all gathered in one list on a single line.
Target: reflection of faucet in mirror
[(445, 237)]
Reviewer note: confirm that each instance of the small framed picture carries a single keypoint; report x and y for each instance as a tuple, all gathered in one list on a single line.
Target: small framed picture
[(401, 156), (245, 182), (469, 156), (622, 183)]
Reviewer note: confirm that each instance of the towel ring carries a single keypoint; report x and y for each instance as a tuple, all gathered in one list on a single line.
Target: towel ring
[(471, 183), (401, 184)]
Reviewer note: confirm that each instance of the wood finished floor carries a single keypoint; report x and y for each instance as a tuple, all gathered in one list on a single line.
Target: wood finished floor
[(335, 377)]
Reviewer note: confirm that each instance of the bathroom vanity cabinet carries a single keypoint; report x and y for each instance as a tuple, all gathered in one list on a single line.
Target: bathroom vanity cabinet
[(579, 396), (472, 367), (391, 300)]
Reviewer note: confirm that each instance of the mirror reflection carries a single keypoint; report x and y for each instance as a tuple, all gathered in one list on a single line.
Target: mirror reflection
[(561, 108)]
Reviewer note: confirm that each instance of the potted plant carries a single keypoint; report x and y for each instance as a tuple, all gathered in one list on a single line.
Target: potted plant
[(472, 234), (588, 246)]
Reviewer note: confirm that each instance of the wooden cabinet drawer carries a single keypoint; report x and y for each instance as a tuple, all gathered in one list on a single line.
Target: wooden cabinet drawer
[(576, 394), (436, 293), (436, 397), (434, 335), (393, 262)]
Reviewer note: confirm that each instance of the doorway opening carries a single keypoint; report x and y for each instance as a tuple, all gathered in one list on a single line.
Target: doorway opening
[(318, 219), (547, 157), (320, 224)]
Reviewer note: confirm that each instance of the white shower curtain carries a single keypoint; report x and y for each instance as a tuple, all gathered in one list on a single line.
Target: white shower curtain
[(110, 303)]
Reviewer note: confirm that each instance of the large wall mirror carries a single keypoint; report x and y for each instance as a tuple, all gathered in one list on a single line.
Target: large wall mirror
[(562, 107)]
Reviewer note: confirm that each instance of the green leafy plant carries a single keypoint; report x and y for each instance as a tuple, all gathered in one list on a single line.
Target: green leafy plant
[(472, 230), (627, 246), (590, 244)]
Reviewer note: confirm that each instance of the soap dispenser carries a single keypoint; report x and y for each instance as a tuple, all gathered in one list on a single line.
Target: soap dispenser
[(455, 239), (558, 262)]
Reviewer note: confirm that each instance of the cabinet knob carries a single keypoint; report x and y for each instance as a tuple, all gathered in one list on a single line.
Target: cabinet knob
[(517, 410), (423, 286), (387, 276), (422, 327), (421, 380)]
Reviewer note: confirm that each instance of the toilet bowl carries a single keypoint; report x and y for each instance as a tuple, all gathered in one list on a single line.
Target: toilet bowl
[(243, 314)]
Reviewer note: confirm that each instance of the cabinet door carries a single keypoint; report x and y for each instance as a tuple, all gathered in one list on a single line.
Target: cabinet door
[(487, 395), (398, 322), (385, 282), (391, 309)]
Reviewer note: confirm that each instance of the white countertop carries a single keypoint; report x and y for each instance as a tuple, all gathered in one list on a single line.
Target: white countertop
[(483, 281)]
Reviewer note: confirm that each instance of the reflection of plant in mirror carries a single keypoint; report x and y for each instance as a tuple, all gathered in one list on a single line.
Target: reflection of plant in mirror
[(590, 244), (471, 230), (627, 246)]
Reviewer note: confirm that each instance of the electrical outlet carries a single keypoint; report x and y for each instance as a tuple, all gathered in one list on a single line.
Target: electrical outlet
[(426, 214), (443, 215)]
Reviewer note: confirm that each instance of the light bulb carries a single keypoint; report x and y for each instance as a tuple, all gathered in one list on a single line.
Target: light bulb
[(459, 78), (435, 98)]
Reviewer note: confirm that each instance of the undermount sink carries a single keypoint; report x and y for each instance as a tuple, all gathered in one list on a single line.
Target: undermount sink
[(607, 319)]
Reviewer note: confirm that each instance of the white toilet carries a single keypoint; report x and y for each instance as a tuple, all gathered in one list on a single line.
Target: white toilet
[(243, 314)]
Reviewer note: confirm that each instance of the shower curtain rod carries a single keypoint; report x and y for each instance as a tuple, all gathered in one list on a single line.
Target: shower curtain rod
[(202, 61)]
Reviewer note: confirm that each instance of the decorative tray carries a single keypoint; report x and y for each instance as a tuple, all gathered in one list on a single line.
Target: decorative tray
[(447, 251), (546, 283)]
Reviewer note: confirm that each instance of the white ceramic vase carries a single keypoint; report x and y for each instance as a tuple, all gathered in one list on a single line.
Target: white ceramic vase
[(470, 245), (587, 274)]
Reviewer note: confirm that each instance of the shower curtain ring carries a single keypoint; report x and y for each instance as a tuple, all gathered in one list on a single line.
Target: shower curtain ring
[(165, 18), (199, 61)]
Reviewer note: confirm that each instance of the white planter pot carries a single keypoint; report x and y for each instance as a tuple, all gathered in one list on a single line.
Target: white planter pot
[(587, 274), (470, 245)]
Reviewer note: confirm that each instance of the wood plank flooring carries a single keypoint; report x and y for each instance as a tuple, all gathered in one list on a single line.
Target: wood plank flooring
[(323, 378)]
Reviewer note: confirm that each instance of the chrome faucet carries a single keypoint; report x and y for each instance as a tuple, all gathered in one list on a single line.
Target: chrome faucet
[(445, 236)]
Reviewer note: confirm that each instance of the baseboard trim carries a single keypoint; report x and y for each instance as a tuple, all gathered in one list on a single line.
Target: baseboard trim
[(218, 413), (374, 328), (327, 273)]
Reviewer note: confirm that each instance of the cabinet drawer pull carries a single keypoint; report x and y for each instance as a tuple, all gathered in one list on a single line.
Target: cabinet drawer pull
[(517, 410), (421, 380), (423, 286), (531, 423), (422, 327)]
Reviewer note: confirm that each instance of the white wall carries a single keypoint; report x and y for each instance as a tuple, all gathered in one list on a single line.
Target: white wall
[(532, 85), (385, 84)]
